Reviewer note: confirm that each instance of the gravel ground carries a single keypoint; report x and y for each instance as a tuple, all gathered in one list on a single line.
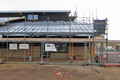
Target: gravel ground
[(47, 72)]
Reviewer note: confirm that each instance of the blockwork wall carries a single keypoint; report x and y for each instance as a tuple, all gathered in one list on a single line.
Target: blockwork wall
[(36, 50)]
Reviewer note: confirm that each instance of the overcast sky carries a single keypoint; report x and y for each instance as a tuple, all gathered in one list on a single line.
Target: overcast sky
[(105, 9)]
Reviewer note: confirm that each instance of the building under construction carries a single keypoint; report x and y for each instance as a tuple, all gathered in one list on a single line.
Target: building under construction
[(23, 35)]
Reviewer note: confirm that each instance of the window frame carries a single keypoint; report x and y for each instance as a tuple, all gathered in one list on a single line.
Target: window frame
[(37, 17), (28, 17), (59, 49), (33, 19)]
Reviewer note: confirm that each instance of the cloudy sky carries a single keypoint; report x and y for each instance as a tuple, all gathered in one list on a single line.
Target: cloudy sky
[(105, 9)]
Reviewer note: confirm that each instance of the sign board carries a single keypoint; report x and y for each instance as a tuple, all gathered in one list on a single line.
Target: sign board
[(13, 46), (99, 27), (23, 46), (50, 47)]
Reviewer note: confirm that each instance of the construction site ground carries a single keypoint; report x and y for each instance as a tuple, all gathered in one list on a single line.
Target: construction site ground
[(51, 72)]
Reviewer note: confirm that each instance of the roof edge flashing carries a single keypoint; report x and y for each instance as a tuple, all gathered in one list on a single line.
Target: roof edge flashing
[(28, 11)]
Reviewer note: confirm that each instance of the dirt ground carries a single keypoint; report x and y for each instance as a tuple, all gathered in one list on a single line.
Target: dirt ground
[(49, 72)]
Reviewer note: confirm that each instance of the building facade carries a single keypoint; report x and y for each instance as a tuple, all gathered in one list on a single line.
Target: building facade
[(37, 28)]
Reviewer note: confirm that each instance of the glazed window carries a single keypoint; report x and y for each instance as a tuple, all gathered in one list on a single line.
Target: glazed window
[(32, 17), (61, 48), (29, 17), (35, 17)]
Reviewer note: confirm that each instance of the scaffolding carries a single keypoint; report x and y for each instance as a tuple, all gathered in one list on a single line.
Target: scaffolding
[(89, 46)]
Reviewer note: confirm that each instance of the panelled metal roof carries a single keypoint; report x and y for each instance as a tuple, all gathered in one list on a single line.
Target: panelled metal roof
[(39, 28)]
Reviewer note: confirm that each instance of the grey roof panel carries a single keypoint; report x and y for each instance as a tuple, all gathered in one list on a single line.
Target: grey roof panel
[(55, 28)]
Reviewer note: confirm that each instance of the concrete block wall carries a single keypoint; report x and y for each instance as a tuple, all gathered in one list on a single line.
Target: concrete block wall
[(36, 53), (80, 51), (18, 53), (57, 55), (76, 51)]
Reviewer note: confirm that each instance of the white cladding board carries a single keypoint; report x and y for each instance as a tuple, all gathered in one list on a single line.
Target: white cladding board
[(23, 46), (13, 46), (50, 47), (104, 55), (0, 36), (98, 38)]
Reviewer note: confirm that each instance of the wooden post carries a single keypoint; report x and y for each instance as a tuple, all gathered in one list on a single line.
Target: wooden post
[(72, 49), (93, 49), (29, 49), (101, 50), (91, 45)]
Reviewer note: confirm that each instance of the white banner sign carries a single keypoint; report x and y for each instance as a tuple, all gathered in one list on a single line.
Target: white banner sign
[(13, 46), (119, 55), (104, 55), (0, 36), (50, 47), (23, 46)]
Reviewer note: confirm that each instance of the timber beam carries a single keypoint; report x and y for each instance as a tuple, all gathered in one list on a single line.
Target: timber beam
[(52, 39)]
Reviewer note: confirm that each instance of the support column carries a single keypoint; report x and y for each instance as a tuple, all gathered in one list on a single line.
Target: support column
[(72, 48), (93, 55), (91, 45), (29, 50), (42, 51), (85, 51), (30, 56), (91, 49), (101, 49)]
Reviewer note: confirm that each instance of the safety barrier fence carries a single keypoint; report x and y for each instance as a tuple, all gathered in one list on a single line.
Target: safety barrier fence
[(111, 59)]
